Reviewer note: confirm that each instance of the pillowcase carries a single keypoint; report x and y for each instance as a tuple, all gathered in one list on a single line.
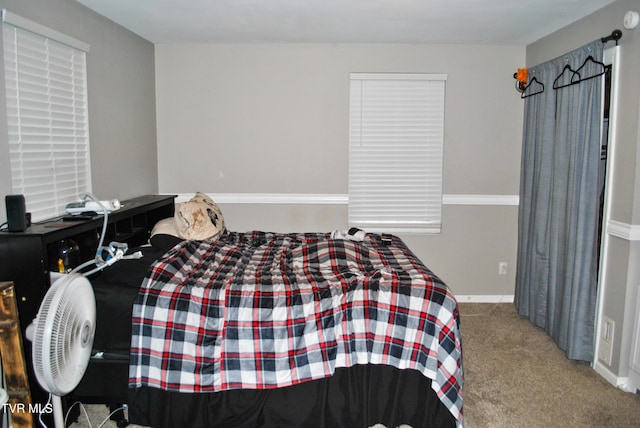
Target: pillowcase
[(199, 218), (164, 234)]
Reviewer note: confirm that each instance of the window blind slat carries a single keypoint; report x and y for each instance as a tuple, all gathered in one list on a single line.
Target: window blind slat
[(395, 151), (47, 120)]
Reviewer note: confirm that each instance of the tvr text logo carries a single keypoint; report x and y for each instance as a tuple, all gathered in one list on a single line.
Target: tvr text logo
[(28, 408)]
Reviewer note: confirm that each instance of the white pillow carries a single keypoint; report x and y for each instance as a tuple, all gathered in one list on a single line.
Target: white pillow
[(166, 226)]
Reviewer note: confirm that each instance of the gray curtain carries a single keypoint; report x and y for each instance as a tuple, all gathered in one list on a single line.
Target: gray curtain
[(556, 277)]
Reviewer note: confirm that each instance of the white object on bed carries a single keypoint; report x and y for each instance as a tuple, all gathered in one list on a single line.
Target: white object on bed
[(353, 234)]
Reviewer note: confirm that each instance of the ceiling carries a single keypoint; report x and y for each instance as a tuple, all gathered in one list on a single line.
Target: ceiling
[(502, 22)]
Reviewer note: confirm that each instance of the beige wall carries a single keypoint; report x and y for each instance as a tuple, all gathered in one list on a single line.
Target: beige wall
[(238, 119), (121, 92), (621, 268)]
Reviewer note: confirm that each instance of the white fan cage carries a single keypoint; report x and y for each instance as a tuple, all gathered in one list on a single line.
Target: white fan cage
[(63, 334)]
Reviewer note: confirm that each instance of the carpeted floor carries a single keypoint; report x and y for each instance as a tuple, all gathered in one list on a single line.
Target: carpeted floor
[(515, 376)]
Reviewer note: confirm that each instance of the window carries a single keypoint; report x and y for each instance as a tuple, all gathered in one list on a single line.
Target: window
[(396, 132), (46, 95)]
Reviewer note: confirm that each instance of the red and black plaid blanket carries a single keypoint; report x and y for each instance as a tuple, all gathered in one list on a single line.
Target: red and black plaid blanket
[(266, 310)]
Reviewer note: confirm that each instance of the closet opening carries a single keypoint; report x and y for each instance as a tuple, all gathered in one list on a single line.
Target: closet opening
[(608, 141), (604, 153)]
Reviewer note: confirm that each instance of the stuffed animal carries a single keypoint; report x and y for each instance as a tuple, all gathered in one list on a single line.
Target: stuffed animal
[(200, 218)]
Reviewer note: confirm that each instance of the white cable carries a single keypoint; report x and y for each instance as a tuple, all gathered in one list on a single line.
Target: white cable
[(123, 407), (98, 260), (105, 217), (113, 257), (84, 411), (86, 415), (40, 415), (495, 305), (82, 266), (137, 255)]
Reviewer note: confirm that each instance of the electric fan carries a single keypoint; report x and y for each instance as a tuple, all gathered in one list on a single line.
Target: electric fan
[(63, 334)]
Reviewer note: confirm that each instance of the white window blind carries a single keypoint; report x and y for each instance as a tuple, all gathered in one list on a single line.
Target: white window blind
[(396, 132), (46, 95)]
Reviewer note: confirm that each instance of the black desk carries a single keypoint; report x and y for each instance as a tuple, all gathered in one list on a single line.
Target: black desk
[(26, 258)]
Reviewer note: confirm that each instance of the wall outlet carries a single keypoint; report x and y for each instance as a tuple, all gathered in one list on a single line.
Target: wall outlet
[(503, 268), (607, 334)]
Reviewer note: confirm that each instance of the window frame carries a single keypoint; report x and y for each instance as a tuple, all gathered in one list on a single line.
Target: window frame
[(396, 135), (45, 75)]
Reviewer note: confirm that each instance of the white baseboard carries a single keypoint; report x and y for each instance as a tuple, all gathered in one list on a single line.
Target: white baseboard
[(604, 371), (485, 298), (619, 382)]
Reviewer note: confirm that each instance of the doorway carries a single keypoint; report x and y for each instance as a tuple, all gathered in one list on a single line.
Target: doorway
[(557, 281), (602, 351), (604, 152)]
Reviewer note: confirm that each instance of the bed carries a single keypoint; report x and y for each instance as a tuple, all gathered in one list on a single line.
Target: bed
[(269, 329), (277, 330)]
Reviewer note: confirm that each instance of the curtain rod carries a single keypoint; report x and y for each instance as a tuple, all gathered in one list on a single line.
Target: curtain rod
[(615, 35)]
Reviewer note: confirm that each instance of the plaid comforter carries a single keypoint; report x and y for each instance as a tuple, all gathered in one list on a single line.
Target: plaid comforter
[(266, 310)]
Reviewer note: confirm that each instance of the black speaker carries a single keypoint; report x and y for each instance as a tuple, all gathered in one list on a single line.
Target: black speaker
[(16, 213)]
